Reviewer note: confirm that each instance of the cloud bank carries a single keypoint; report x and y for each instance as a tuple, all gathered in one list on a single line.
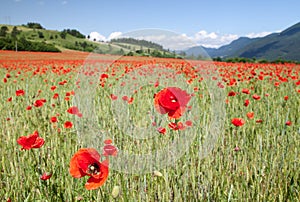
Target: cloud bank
[(180, 41)]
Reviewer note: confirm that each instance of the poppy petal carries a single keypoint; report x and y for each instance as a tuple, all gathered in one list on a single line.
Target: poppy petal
[(74, 170), (94, 183), (38, 142)]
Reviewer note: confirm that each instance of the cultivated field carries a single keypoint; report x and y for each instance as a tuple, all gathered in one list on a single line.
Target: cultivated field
[(166, 129)]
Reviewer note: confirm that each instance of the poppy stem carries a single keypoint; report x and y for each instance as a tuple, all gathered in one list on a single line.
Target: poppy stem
[(36, 162)]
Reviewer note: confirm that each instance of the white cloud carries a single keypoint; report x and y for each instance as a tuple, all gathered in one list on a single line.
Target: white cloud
[(114, 35), (96, 36), (261, 34), (172, 41), (64, 2), (213, 40)]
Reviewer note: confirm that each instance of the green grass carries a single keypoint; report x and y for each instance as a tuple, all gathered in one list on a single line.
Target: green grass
[(53, 37), (266, 168)]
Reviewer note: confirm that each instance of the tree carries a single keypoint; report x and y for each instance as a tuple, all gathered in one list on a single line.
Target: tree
[(14, 32), (121, 51), (63, 34), (3, 31), (74, 33), (41, 35), (34, 25), (84, 45)]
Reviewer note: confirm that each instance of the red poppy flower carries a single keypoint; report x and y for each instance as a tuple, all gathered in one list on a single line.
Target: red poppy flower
[(288, 123), (130, 100), (259, 121), (46, 176), (104, 76), (29, 107), (171, 101), (173, 126), (125, 98), (231, 94), (31, 141), (20, 92), (113, 97), (53, 119), (189, 123), (55, 96), (68, 124), (238, 122), (86, 162), (246, 91), (246, 103), (53, 88), (250, 115), (110, 150), (256, 97), (176, 126), (39, 103), (74, 110), (108, 141), (162, 130), (286, 97)]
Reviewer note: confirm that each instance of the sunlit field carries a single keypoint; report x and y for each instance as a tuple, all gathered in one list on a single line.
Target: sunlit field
[(236, 129)]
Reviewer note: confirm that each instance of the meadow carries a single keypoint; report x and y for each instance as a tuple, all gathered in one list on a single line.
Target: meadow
[(234, 136)]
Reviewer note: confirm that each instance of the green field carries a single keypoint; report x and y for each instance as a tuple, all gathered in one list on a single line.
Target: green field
[(258, 161)]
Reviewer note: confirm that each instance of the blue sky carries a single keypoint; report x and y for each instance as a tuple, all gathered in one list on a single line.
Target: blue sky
[(211, 22)]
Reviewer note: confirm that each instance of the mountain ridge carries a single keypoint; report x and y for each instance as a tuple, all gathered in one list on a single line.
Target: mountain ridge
[(284, 45)]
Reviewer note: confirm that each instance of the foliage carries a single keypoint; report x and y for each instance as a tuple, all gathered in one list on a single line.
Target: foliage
[(74, 33), (63, 34), (24, 45), (252, 60), (3, 31), (141, 43), (15, 32), (34, 25)]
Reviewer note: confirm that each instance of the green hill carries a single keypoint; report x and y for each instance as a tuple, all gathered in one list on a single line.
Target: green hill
[(283, 45), (61, 40), (34, 37)]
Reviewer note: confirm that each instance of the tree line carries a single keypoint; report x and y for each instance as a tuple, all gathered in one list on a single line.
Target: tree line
[(12, 41), (133, 41)]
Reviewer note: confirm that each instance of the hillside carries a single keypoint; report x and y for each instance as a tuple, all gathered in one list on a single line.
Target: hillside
[(33, 37), (59, 39), (284, 46), (224, 51)]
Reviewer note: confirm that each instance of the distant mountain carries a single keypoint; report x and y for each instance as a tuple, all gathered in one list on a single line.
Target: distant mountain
[(284, 45), (223, 51), (232, 48)]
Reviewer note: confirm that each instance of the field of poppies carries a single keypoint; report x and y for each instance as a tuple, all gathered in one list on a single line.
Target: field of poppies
[(89, 127)]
